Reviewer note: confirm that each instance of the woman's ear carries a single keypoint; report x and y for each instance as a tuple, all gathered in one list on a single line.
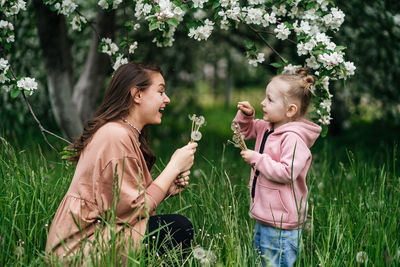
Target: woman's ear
[(291, 111), (136, 95)]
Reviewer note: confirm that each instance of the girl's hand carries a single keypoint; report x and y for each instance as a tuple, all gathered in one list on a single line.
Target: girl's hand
[(246, 155), (183, 158), (246, 108)]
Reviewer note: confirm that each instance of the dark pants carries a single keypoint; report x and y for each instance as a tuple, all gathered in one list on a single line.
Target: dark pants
[(171, 230)]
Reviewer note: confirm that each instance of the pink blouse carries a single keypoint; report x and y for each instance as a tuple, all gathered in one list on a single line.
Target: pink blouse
[(113, 152)]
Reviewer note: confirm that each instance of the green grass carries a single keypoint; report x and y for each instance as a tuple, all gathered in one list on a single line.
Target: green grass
[(354, 186)]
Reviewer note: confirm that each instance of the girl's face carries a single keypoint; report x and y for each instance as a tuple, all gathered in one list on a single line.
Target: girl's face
[(153, 101), (274, 105)]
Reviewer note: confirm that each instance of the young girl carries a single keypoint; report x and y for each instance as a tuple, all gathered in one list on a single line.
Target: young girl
[(279, 165)]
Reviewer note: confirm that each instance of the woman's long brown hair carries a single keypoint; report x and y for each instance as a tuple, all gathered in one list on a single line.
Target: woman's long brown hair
[(116, 104)]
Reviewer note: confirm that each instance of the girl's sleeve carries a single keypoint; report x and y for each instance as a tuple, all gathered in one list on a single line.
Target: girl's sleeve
[(247, 125), (121, 185), (280, 171)]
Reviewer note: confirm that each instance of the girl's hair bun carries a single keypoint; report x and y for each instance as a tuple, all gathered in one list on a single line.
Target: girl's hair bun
[(302, 71), (307, 80)]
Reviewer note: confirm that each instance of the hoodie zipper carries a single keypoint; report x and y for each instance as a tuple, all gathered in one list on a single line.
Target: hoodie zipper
[(264, 140)]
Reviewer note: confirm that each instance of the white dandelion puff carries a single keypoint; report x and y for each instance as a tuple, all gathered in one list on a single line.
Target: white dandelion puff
[(199, 253), (196, 136), (362, 257)]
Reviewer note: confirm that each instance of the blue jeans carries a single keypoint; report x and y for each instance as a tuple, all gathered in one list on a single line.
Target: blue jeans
[(277, 247)]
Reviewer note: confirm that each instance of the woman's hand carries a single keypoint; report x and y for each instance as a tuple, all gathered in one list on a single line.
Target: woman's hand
[(179, 183), (183, 158), (246, 155), (246, 108)]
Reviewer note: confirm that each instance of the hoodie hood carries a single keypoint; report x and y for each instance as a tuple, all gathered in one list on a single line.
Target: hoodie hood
[(307, 130)]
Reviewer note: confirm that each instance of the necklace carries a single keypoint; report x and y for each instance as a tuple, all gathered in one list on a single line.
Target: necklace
[(133, 126)]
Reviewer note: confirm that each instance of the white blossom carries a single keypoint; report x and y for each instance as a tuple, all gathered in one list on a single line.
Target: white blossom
[(67, 7), (103, 4), (350, 68), (202, 32), (4, 65), (256, 2), (259, 59), (109, 47), (7, 25), (199, 3), (254, 16), (28, 84), (116, 3), (77, 22), (133, 47), (10, 39), (3, 78), (326, 104), (301, 50), (312, 63), (330, 60), (290, 69), (121, 60), (325, 120), (282, 32), (269, 19), (136, 26)]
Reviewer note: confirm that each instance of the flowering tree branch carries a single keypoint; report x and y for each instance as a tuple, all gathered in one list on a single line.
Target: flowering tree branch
[(309, 21)]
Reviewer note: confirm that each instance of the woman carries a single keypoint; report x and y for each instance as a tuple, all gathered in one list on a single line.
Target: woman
[(113, 148)]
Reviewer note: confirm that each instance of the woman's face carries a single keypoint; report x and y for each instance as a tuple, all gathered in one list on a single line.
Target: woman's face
[(153, 101)]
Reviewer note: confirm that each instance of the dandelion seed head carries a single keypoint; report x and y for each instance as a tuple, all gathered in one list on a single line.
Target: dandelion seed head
[(196, 136), (200, 120), (199, 253), (362, 257)]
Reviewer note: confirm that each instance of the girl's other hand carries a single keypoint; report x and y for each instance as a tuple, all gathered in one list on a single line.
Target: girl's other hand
[(246, 108), (246, 155), (183, 158)]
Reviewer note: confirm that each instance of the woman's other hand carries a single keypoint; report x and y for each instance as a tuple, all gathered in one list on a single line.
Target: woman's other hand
[(179, 184), (246, 108)]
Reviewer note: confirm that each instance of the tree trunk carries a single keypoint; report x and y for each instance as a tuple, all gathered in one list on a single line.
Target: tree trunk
[(55, 47), (97, 65)]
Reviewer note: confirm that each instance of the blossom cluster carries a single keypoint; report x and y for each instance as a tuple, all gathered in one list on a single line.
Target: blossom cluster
[(202, 32), (104, 4)]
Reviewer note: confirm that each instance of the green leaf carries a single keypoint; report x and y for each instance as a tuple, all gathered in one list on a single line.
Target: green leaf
[(153, 26), (290, 26), (216, 4), (339, 48), (249, 44), (324, 130), (127, 24), (276, 65), (15, 92), (173, 22), (311, 5)]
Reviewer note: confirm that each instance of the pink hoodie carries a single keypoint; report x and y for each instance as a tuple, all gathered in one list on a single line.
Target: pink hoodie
[(274, 203)]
